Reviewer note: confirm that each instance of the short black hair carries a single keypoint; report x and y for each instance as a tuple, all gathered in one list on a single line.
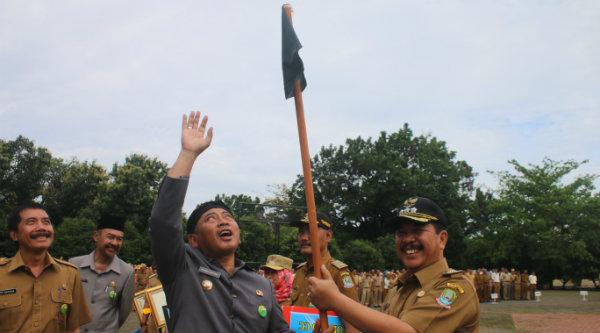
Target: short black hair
[(14, 218), (438, 227), (201, 209)]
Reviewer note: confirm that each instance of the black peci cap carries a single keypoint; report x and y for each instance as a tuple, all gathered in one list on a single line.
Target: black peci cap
[(110, 221), (201, 209)]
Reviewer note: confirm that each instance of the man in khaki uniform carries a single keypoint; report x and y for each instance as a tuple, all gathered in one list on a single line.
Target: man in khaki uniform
[(38, 293), (429, 297), (339, 271), (479, 285), (377, 289), (517, 284), (487, 286), (525, 285), (506, 279), (365, 296)]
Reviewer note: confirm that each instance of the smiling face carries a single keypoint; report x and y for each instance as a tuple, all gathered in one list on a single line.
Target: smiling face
[(34, 232), (217, 233), (108, 242), (418, 245)]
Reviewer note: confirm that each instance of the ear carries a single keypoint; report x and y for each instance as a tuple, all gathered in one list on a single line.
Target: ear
[(13, 235), (96, 235), (193, 240), (329, 236), (443, 239)]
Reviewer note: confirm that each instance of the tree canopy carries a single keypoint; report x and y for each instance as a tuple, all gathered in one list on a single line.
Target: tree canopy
[(544, 217)]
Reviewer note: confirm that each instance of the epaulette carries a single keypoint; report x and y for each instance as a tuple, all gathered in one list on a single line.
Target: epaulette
[(4, 261), (451, 272), (300, 266), (64, 262), (338, 264)]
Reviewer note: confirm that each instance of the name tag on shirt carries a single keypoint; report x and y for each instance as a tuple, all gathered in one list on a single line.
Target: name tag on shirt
[(8, 291)]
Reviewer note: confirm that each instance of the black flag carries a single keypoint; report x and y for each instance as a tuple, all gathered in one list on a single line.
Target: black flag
[(293, 68)]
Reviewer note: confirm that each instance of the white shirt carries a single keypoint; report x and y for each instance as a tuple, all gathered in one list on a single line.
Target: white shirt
[(496, 277), (532, 279)]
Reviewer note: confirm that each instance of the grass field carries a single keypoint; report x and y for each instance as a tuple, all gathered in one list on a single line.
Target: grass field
[(498, 318)]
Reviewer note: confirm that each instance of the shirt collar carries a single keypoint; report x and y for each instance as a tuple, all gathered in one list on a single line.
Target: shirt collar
[(324, 259), (89, 261), (17, 262), (426, 274)]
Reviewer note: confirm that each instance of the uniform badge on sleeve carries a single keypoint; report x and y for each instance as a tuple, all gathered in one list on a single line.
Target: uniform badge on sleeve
[(449, 295), (447, 298), (347, 281)]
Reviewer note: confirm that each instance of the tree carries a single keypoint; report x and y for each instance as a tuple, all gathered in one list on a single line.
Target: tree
[(362, 183), (73, 238), (362, 255), (74, 187), (132, 189), (23, 172), (539, 221)]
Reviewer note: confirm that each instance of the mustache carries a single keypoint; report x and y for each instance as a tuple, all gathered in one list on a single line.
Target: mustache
[(38, 234), (108, 246), (305, 243), (410, 246)]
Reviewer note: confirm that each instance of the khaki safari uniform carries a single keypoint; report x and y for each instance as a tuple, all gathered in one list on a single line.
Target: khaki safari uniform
[(365, 296), (377, 291), (487, 287), (524, 286), (517, 286), (52, 302), (339, 271), (506, 279), (435, 299)]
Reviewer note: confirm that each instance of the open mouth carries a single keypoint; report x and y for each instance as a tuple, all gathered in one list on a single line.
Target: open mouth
[(225, 234), (412, 248)]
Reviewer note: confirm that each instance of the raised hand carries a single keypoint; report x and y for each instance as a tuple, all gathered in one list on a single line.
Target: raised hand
[(321, 292), (193, 138)]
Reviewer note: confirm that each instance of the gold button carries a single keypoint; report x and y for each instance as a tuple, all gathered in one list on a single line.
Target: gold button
[(207, 285), (421, 293)]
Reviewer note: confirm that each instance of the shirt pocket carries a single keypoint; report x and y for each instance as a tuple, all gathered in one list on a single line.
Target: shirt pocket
[(61, 306), (10, 308)]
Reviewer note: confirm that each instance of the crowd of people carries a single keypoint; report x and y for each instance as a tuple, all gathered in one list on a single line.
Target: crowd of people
[(502, 284)]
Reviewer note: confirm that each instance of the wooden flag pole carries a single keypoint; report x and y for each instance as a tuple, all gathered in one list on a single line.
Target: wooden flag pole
[(308, 183)]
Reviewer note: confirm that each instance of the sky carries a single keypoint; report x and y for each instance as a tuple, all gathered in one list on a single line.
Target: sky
[(496, 80)]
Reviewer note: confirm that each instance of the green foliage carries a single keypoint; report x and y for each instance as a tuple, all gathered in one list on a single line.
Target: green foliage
[(363, 182), (74, 189), (132, 189), (73, 238), (539, 221), (24, 170), (363, 255)]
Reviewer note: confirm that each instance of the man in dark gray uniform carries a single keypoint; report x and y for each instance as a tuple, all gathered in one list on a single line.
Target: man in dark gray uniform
[(207, 288)]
